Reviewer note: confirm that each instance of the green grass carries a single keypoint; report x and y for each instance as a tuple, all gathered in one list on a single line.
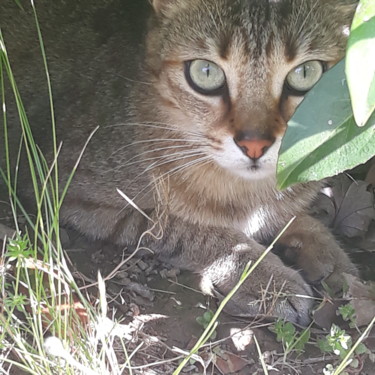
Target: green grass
[(39, 292)]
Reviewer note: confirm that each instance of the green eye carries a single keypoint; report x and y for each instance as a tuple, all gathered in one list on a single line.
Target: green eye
[(205, 76), (303, 77)]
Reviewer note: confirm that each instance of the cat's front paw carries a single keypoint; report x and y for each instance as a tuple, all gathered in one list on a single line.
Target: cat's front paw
[(271, 291), (319, 259), (308, 246)]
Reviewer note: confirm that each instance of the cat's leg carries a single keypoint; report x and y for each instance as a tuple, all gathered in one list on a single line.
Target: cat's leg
[(102, 221), (220, 256), (310, 246)]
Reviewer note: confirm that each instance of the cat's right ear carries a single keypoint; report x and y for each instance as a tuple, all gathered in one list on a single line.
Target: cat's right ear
[(162, 6)]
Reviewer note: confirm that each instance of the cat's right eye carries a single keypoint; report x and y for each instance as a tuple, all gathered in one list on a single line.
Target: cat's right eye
[(205, 77)]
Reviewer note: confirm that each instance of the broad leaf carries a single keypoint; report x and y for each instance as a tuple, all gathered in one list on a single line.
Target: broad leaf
[(322, 138), (360, 61)]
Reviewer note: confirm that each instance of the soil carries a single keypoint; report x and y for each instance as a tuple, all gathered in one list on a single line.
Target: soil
[(168, 302)]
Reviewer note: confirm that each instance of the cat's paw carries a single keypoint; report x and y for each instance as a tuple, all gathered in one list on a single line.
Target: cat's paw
[(319, 259), (271, 291), (308, 246)]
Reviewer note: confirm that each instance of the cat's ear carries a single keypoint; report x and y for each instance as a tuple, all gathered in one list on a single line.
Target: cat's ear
[(161, 6), (347, 10)]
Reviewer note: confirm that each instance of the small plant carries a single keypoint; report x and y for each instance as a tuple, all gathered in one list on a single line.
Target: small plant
[(204, 320), (347, 312), (19, 249), (39, 297), (339, 343), (291, 340)]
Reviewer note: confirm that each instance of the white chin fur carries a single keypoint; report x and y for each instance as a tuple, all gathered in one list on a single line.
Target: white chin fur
[(232, 159)]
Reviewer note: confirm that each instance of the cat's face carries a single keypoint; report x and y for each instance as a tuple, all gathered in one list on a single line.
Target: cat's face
[(230, 73)]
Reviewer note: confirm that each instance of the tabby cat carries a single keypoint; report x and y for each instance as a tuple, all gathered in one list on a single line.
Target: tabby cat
[(191, 98)]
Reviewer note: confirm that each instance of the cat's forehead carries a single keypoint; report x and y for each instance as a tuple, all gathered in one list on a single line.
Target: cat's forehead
[(257, 27)]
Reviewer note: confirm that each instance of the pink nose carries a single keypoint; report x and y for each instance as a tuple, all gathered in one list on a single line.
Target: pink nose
[(254, 148)]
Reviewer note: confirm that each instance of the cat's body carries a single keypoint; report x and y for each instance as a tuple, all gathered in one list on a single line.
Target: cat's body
[(200, 160)]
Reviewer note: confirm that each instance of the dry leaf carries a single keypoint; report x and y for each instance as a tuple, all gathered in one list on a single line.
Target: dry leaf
[(324, 208), (229, 363), (348, 206), (370, 177), (326, 314), (362, 299), (368, 243)]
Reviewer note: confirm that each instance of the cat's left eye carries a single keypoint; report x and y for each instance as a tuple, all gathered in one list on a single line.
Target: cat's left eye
[(205, 76), (303, 77)]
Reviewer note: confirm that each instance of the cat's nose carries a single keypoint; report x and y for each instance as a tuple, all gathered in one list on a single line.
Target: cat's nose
[(253, 147)]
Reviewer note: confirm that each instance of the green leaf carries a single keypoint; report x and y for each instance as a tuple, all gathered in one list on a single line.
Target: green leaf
[(347, 312), (360, 62), (322, 139), (354, 363), (361, 349), (324, 346), (208, 315), (302, 340), (289, 330), (200, 320)]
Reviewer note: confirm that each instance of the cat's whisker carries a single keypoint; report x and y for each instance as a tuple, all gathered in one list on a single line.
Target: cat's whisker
[(172, 172), (156, 159), (201, 161), (141, 160), (156, 125), (214, 23), (166, 160), (188, 147), (156, 164), (203, 156), (147, 169), (133, 80), (193, 162), (219, 15), (307, 17), (298, 16), (151, 141)]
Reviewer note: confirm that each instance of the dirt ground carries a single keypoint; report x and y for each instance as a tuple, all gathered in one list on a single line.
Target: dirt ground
[(167, 303)]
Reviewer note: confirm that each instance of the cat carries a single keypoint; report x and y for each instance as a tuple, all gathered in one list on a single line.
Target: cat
[(192, 98)]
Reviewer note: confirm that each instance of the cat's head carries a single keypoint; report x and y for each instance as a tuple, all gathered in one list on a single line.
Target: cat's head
[(230, 73)]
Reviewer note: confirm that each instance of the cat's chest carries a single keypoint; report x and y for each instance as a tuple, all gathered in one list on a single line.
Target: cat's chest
[(263, 222), (265, 218), (256, 208)]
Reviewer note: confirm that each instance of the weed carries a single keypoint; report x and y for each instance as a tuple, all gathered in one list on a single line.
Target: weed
[(340, 343), (204, 321), (39, 294), (291, 339), (337, 343), (19, 248), (347, 312)]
